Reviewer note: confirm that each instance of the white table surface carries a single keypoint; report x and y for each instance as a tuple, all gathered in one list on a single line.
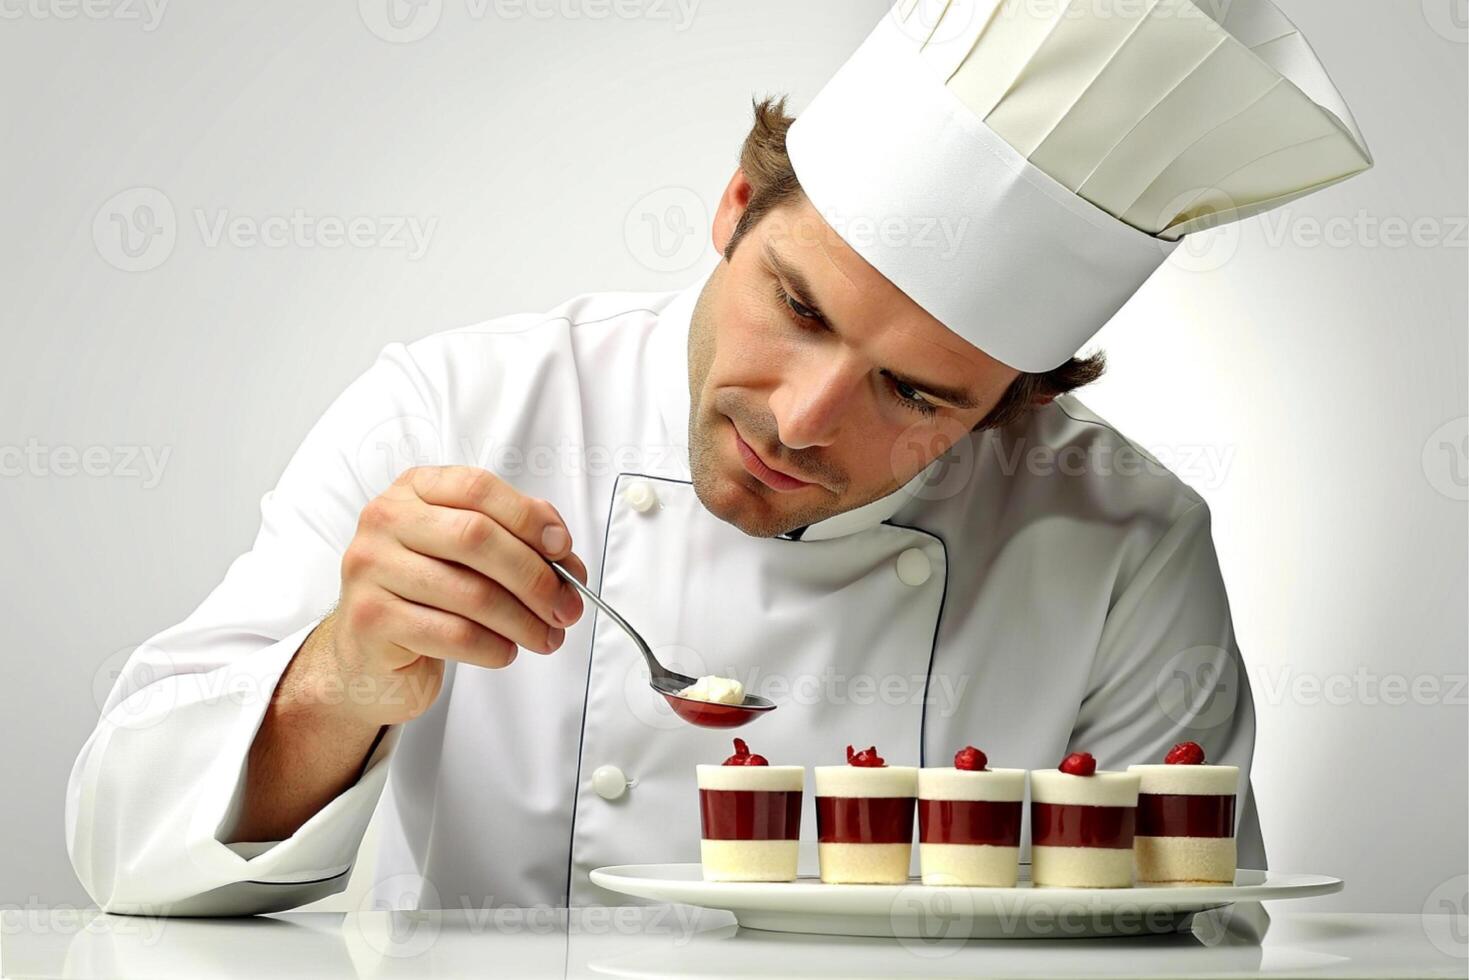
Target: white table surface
[(681, 941)]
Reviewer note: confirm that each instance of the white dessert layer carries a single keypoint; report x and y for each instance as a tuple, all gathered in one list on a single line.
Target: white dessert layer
[(1188, 780), (948, 783), (752, 777), (865, 781), (979, 865), (1081, 867), (1184, 859), (1101, 788), (715, 690), (865, 864), (748, 860)]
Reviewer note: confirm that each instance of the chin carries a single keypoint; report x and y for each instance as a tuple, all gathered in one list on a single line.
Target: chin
[(736, 505), (738, 499), (734, 501)]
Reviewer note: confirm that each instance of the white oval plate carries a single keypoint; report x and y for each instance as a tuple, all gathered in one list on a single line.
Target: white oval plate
[(923, 911)]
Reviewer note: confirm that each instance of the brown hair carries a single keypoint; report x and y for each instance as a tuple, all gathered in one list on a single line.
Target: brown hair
[(773, 182)]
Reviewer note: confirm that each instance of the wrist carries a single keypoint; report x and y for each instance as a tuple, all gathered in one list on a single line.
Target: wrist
[(318, 690)]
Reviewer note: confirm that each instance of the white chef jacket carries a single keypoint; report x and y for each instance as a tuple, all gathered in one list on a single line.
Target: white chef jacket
[(1042, 588)]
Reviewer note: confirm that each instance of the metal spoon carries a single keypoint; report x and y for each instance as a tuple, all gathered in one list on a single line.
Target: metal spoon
[(706, 714)]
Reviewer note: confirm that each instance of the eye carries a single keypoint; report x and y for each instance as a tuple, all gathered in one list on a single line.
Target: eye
[(800, 309), (911, 398)]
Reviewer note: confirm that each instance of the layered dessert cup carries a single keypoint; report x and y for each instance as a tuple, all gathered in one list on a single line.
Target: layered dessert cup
[(864, 820), (969, 822), (1082, 824), (750, 818), (1185, 820)]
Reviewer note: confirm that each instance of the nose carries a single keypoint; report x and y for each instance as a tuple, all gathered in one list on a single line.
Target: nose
[(812, 401)]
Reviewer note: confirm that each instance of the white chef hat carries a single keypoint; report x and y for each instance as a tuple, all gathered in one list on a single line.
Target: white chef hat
[(1019, 167)]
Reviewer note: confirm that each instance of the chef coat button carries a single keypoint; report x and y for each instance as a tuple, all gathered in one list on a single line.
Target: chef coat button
[(914, 568), (608, 782), (640, 496)]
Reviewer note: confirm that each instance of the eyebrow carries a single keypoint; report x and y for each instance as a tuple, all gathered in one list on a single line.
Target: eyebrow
[(801, 291)]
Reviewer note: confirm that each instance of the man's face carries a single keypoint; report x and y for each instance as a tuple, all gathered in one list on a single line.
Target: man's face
[(817, 385)]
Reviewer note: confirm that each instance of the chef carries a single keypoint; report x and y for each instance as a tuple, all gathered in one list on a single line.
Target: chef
[(844, 467)]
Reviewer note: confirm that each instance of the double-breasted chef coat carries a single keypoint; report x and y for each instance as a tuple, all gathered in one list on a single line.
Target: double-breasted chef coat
[(1043, 588)]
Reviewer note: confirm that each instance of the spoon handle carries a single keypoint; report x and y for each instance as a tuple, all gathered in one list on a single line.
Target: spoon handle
[(653, 664)]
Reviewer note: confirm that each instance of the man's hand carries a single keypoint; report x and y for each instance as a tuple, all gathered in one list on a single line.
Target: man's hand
[(449, 563)]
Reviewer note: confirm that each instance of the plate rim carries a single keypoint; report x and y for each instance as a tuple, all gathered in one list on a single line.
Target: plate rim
[(727, 894)]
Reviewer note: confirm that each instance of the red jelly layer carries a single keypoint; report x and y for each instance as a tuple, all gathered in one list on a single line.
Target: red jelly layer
[(969, 822), (864, 819), (1185, 815), (750, 814), (1077, 825)]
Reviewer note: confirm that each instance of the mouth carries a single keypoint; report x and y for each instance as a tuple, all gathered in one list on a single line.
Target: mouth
[(763, 471)]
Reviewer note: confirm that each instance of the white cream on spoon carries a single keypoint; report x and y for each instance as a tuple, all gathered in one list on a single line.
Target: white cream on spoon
[(716, 690)]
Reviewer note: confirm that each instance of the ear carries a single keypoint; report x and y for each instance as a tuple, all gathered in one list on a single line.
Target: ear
[(732, 205), (1040, 400)]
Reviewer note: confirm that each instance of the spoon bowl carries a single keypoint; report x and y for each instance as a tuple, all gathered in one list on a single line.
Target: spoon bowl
[(705, 714), (711, 714)]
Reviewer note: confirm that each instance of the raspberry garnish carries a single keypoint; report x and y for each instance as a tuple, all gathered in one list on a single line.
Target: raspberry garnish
[(1078, 764), (1185, 754), (742, 756), (971, 759), (867, 758)]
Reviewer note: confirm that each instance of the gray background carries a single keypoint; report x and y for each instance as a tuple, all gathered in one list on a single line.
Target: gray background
[(1313, 390)]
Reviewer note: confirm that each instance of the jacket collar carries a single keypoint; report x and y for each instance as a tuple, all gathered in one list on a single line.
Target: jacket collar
[(669, 349)]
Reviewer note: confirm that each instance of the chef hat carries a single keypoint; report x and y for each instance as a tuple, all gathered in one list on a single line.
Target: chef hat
[(1019, 167)]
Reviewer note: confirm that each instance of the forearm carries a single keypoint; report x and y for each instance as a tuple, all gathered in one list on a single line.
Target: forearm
[(310, 746)]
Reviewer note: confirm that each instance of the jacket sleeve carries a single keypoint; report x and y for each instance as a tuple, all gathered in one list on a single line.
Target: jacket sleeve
[(155, 789), (1168, 670)]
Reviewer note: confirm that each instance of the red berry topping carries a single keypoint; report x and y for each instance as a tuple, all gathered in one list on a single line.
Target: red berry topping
[(867, 758), (1185, 754), (742, 756), (970, 758), (1079, 764)]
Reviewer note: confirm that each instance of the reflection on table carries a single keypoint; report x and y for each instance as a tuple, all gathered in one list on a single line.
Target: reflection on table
[(680, 941)]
